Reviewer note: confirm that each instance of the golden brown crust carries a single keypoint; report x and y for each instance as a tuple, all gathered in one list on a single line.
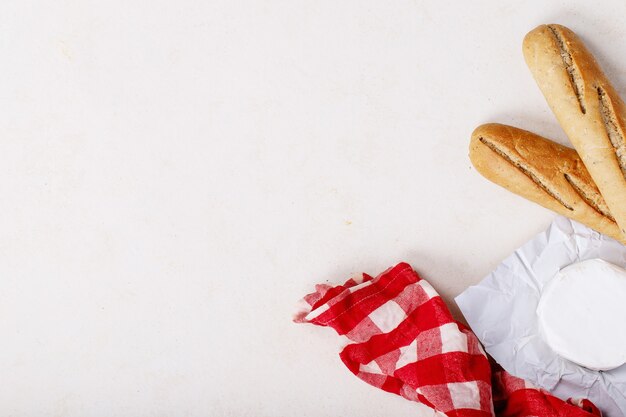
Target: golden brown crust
[(587, 107), (542, 171)]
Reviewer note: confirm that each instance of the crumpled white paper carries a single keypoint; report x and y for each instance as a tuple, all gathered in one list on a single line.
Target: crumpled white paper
[(501, 310)]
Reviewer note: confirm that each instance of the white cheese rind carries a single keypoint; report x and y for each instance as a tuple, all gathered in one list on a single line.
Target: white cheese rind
[(582, 314)]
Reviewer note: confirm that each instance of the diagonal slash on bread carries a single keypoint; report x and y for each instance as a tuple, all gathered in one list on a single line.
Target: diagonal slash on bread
[(542, 171)]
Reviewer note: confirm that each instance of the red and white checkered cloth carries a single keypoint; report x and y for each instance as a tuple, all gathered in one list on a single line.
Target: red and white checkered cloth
[(402, 338)]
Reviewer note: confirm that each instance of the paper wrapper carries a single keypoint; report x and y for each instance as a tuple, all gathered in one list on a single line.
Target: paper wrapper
[(501, 310)]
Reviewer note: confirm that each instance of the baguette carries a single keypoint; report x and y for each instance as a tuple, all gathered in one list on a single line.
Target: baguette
[(586, 105), (542, 171)]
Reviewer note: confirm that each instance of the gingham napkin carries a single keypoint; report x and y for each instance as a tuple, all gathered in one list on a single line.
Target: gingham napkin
[(402, 338)]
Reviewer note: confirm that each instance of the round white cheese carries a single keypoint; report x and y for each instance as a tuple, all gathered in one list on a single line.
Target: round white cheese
[(582, 314)]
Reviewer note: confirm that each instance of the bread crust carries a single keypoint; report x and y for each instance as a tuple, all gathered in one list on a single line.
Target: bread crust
[(541, 171), (586, 105)]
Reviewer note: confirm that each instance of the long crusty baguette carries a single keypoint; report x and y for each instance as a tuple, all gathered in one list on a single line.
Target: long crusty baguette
[(586, 105), (542, 171)]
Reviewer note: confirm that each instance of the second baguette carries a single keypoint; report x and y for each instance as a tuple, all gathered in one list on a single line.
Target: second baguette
[(587, 106), (542, 171)]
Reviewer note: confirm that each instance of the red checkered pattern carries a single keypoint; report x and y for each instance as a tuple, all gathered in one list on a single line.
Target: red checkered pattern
[(403, 339)]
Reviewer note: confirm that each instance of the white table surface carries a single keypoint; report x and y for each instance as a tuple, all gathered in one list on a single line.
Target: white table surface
[(176, 175)]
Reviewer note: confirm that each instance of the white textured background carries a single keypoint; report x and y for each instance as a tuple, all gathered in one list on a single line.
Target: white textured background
[(174, 175)]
